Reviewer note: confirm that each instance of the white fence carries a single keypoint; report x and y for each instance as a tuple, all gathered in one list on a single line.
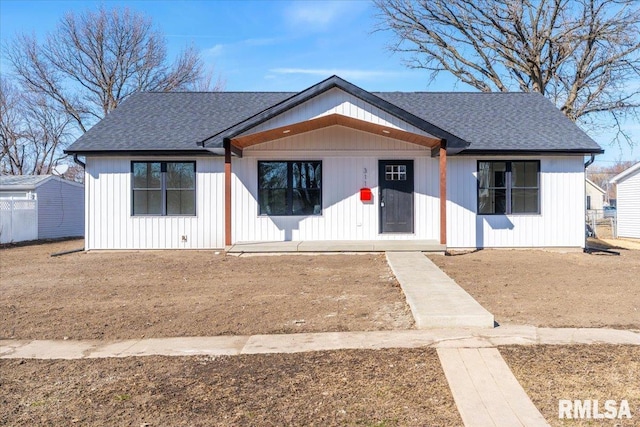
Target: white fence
[(18, 220)]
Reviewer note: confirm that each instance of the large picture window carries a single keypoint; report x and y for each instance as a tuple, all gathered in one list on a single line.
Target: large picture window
[(508, 187), (290, 187), (164, 188)]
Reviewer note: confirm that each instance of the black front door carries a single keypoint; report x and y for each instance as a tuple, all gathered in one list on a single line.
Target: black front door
[(395, 180)]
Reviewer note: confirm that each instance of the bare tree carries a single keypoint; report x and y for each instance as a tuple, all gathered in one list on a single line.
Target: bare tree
[(601, 175), (11, 142), (94, 60), (582, 54), (33, 132)]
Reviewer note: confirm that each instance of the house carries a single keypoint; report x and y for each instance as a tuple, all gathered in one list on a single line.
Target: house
[(628, 202), (334, 162), (40, 207), (595, 198)]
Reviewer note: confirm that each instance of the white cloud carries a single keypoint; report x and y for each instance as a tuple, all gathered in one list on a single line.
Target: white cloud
[(347, 74), (317, 14), (216, 50), (219, 49)]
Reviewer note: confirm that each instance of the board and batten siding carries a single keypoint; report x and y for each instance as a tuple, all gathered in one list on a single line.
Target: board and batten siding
[(562, 208), (628, 206), (349, 162), (110, 225), (60, 209), (336, 101)]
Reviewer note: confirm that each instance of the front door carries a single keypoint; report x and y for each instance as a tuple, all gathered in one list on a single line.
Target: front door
[(395, 181)]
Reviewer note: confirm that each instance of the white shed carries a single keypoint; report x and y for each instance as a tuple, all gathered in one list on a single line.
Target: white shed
[(628, 201), (40, 207), (595, 196)]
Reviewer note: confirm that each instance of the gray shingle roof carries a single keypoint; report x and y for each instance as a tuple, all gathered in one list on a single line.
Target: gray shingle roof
[(155, 121), (485, 122), (497, 121), (22, 182)]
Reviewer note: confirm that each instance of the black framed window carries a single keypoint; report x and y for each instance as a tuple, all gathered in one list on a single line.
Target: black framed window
[(508, 187), (163, 188), (290, 187)]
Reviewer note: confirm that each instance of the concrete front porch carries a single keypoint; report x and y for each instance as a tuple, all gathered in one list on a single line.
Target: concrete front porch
[(337, 246)]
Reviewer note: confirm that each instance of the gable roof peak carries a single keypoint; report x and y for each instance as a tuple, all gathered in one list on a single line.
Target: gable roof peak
[(216, 141)]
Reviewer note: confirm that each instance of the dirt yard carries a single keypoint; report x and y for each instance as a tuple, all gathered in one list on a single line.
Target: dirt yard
[(358, 388), (117, 295), (169, 293), (602, 372), (550, 288)]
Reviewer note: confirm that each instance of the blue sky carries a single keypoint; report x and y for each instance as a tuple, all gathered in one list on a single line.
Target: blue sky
[(276, 45)]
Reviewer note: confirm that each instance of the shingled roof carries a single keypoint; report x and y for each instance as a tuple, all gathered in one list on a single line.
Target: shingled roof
[(166, 123)]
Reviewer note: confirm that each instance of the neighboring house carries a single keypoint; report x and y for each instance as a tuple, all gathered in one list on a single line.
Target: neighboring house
[(334, 162), (628, 202), (40, 207), (595, 197)]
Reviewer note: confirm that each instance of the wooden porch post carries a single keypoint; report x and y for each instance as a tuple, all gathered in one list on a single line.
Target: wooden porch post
[(227, 192), (443, 192)]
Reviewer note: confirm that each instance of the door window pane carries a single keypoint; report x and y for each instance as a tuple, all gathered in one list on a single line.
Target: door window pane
[(396, 172)]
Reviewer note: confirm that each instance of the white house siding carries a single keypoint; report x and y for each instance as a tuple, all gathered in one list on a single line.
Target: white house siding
[(110, 225), (345, 154), (562, 210), (628, 206), (60, 209), (336, 101)]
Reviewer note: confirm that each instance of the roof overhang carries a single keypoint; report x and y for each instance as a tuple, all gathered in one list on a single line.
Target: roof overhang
[(239, 143)]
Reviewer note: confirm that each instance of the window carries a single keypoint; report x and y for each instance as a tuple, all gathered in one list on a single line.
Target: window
[(290, 188), (508, 187), (164, 188), (395, 172)]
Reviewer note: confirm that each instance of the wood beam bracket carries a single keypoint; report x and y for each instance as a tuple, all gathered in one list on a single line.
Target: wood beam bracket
[(235, 150)]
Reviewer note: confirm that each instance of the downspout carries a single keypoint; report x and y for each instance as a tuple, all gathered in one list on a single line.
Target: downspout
[(589, 162), (83, 165), (586, 165), (77, 161)]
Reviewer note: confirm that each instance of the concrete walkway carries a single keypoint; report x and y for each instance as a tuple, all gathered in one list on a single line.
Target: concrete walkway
[(436, 301), (295, 343), (485, 390)]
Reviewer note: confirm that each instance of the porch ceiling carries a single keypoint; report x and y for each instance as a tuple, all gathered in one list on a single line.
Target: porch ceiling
[(241, 142)]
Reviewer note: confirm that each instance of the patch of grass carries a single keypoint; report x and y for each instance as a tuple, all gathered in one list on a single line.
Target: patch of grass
[(123, 397)]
